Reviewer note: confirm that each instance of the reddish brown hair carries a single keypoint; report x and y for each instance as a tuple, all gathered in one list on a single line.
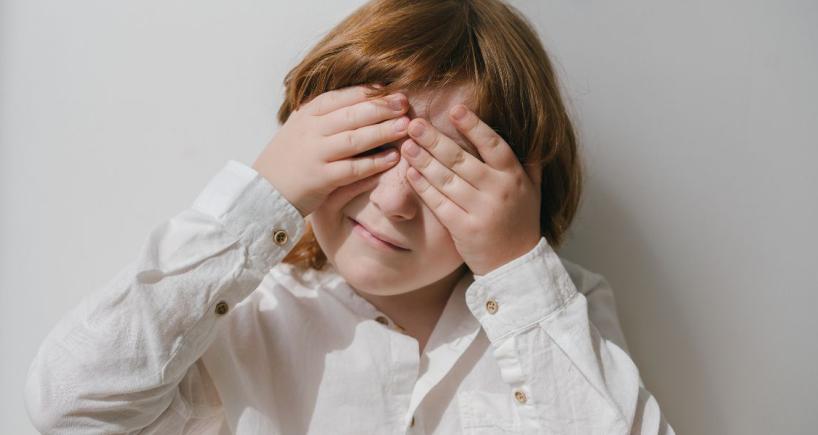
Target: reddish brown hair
[(429, 44)]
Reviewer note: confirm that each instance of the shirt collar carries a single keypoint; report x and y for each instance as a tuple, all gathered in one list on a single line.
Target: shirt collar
[(456, 321)]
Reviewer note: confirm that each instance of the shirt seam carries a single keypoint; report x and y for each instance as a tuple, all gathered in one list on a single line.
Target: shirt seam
[(620, 416)]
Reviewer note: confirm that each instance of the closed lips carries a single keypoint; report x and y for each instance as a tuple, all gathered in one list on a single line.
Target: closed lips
[(383, 238)]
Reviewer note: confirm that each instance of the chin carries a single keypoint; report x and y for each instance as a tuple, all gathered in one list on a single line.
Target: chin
[(370, 276)]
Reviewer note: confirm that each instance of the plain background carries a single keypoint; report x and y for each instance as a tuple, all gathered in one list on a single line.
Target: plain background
[(698, 121)]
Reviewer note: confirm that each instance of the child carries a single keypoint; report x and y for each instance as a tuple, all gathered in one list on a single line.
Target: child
[(366, 276)]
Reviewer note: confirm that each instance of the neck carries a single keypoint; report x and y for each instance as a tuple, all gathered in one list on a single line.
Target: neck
[(418, 311)]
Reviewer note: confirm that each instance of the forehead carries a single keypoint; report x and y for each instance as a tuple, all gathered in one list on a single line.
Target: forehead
[(434, 107)]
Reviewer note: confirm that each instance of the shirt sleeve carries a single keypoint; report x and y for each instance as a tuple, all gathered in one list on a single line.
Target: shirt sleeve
[(115, 363), (566, 374)]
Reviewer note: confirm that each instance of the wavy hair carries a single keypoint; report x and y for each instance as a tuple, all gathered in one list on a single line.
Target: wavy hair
[(430, 44)]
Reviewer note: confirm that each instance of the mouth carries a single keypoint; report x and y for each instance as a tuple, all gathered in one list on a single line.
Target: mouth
[(374, 240)]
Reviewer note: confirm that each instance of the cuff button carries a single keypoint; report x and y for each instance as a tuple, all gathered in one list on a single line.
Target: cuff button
[(221, 308), (280, 237), (520, 396), (492, 306)]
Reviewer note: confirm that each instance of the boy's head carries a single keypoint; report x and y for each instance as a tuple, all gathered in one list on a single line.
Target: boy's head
[(439, 53)]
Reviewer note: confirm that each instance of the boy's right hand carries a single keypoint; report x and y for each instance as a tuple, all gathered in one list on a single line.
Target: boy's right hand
[(314, 152)]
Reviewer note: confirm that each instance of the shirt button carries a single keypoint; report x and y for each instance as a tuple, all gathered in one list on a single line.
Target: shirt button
[(221, 308), (492, 306), (520, 397), (382, 320), (280, 237)]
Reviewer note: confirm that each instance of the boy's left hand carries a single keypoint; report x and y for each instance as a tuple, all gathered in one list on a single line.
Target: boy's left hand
[(491, 209)]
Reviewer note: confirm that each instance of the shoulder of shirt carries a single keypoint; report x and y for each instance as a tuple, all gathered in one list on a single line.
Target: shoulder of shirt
[(584, 280)]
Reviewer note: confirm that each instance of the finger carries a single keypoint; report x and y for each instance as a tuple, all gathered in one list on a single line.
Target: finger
[(448, 152), (492, 147), (352, 142), (348, 171), (442, 178), (447, 212), (337, 98), (363, 113)]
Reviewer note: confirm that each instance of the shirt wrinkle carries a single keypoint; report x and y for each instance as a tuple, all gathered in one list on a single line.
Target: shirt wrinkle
[(246, 344)]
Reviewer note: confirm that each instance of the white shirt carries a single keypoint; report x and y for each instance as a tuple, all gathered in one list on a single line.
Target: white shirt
[(208, 332)]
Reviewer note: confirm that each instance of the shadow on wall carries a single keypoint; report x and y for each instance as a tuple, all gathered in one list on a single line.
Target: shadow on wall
[(606, 238)]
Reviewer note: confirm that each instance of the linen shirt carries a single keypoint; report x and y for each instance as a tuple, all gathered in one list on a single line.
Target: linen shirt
[(207, 331)]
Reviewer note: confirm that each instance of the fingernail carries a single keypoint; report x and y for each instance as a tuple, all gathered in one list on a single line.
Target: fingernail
[(417, 129), (459, 112), (411, 149), (391, 156), (396, 102)]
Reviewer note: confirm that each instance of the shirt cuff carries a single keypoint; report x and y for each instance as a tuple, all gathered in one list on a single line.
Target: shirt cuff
[(252, 209), (521, 292)]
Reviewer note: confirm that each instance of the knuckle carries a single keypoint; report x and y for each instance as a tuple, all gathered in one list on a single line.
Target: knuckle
[(431, 146), (493, 140), (459, 159), (350, 115), (349, 139), (421, 164), (357, 168), (448, 178), (436, 144), (373, 108), (440, 202), (473, 122)]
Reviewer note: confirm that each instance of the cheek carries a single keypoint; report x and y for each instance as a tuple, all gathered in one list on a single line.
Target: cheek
[(438, 238), (325, 229), (327, 223)]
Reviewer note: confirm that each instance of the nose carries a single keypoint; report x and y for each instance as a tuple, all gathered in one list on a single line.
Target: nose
[(393, 194)]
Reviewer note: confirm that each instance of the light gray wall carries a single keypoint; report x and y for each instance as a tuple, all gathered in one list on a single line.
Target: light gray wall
[(698, 121)]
